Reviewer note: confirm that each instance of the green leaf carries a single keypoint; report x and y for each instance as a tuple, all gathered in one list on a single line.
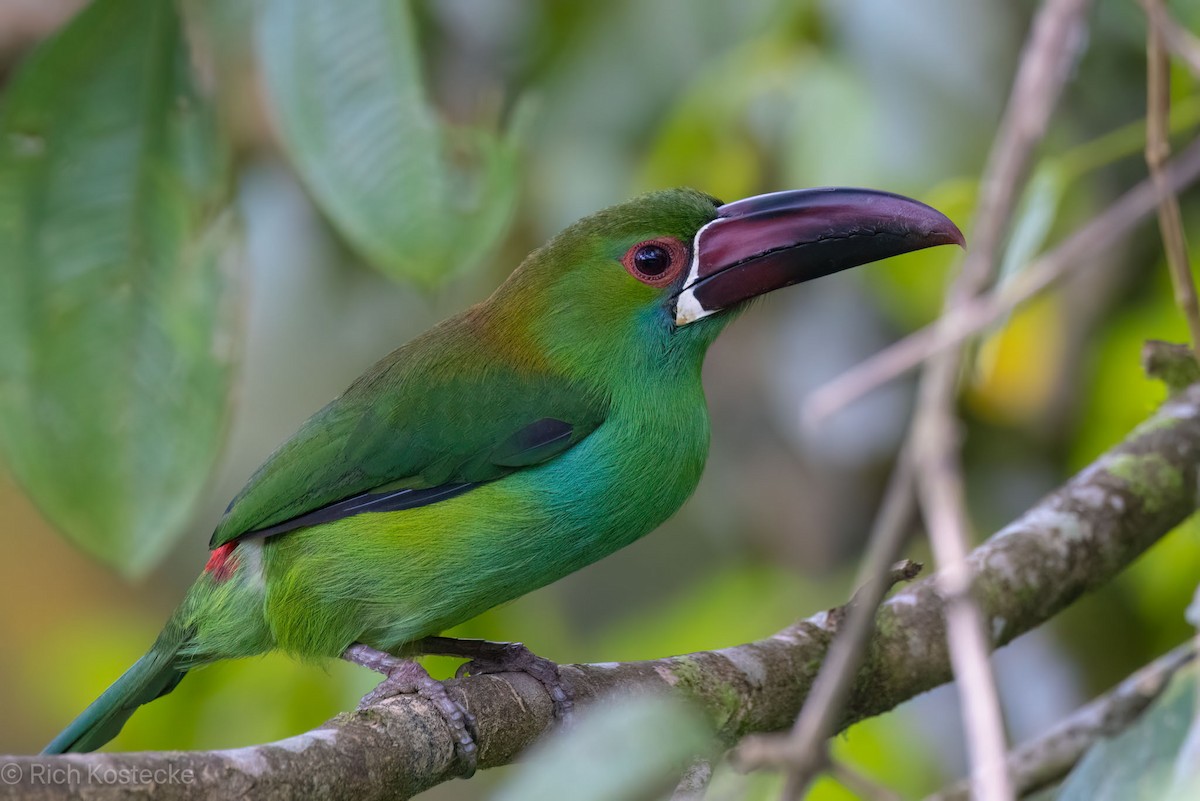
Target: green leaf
[(1150, 760), (631, 747), (1035, 216), (115, 346), (416, 199)]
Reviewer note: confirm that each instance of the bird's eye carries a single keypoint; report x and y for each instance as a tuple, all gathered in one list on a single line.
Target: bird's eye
[(656, 262), (652, 260)]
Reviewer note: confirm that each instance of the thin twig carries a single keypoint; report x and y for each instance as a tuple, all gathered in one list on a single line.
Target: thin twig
[(942, 496), (1046, 62), (804, 749), (1180, 41), (1044, 760), (1158, 149), (870, 594), (1078, 250)]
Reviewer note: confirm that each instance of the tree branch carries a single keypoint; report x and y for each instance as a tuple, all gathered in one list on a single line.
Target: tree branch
[(1041, 762), (1074, 540), (1158, 148), (1182, 42)]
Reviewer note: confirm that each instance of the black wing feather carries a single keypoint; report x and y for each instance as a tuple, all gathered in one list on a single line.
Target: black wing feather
[(393, 501), (530, 445)]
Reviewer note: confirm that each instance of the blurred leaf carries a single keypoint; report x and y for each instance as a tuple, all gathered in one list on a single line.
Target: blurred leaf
[(832, 128), (1159, 584), (114, 319), (634, 747), (417, 199), (1007, 386), (1119, 396), (739, 603), (1034, 217), (773, 109), (706, 141), (1141, 762), (1045, 794)]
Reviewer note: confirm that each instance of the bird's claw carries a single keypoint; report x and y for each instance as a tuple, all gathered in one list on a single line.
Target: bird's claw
[(406, 677), (514, 657)]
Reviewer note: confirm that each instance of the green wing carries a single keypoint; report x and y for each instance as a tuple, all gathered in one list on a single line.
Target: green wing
[(441, 411)]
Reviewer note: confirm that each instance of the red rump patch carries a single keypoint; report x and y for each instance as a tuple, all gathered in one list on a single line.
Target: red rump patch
[(222, 562)]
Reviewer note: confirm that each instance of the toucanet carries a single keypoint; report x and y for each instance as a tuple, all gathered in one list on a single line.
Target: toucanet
[(528, 436)]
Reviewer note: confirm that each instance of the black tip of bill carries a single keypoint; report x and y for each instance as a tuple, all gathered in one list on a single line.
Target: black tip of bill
[(767, 242)]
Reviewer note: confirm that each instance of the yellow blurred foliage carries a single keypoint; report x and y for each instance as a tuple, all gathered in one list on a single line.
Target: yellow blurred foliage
[(1016, 367)]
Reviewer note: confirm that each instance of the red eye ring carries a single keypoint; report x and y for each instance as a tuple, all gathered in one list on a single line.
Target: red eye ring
[(656, 262)]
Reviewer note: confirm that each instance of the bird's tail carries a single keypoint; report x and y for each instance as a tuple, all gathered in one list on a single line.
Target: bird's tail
[(152, 676), (222, 616)]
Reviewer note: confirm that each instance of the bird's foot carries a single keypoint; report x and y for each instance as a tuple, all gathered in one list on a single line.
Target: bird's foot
[(405, 677), (504, 657)]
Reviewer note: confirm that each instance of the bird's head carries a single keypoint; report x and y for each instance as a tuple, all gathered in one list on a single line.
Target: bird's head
[(652, 281)]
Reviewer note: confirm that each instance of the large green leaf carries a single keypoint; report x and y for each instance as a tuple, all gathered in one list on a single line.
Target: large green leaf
[(114, 311), (415, 198), (628, 748), (1149, 761)]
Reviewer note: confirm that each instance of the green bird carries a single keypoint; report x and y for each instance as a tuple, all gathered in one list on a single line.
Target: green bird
[(531, 435)]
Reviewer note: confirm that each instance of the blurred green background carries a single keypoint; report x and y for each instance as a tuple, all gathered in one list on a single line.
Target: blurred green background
[(604, 100)]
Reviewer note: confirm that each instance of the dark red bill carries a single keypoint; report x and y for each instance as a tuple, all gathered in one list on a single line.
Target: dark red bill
[(767, 242)]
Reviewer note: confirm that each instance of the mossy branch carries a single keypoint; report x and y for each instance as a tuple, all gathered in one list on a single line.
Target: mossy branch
[(1076, 539)]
